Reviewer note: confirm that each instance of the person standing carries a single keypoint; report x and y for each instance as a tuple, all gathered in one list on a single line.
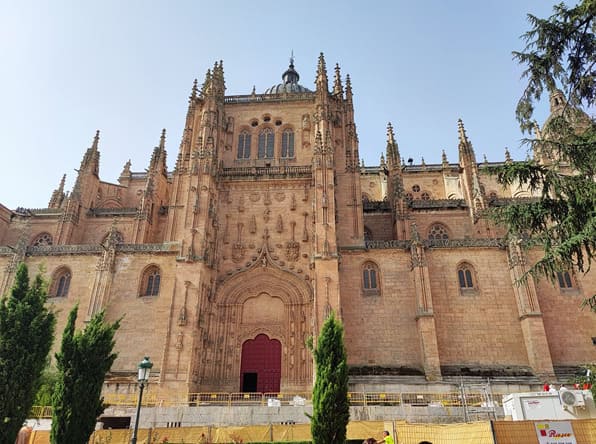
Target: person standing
[(24, 434), (387, 438)]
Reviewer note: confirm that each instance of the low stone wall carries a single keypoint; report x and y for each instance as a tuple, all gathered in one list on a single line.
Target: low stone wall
[(184, 416)]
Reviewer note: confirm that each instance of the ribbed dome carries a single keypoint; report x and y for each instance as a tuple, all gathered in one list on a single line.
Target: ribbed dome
[(290, 82)]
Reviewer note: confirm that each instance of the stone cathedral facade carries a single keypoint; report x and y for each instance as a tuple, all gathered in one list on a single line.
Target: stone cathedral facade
[(224, 266)]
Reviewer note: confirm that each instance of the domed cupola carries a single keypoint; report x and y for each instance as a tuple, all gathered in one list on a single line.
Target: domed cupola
[(290, 82)]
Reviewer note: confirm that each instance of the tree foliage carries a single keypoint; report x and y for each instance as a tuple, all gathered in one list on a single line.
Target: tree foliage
[(331, 411), (26, 335), (560, 52), (588, 378), (560, 58), (46, 386), (83, 361)]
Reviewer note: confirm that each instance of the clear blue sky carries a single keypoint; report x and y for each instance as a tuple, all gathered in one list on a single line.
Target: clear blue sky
[(126, 68)]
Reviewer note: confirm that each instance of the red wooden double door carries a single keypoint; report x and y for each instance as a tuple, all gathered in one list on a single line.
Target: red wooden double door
[(260, 368)]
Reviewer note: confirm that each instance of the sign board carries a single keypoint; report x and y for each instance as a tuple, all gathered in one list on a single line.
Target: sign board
[(555, 432)]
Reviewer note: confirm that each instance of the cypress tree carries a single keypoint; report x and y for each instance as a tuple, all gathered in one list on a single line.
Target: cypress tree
[(83, 361), (26, 335), (331, 410)]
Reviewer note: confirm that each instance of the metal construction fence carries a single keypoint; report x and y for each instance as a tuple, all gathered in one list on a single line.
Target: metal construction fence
[(449, 399), (453, 399), (485, 432)]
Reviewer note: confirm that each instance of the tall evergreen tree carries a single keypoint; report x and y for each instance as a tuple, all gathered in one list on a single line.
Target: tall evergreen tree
[(83, 361), (331, 410), (559, 57), (26, 335)]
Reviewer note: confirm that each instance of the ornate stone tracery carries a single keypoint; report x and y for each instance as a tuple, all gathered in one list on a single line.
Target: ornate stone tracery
[(266, 297)]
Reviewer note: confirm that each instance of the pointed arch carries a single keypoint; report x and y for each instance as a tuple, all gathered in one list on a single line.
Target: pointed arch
[(566, 280), (371, 279), (266, 143), (150, 281), (242, 286), (42, 239), (438, 231), (466, 278), (244, 141), (60, 284), (287, 143)]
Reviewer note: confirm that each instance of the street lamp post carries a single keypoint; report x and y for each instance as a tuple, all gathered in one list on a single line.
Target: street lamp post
[(143, 378)]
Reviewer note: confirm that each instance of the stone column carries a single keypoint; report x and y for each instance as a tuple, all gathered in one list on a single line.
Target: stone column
[(425, 318), (530, 316)]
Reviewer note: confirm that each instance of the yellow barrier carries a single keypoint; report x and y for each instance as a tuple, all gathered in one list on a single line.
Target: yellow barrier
[(38, 411), (506, 432)]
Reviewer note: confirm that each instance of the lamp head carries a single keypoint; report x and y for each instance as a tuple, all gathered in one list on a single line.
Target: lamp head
[(144, 369)]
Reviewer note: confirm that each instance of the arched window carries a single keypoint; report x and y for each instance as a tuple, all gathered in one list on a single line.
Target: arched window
[(370, 279), (287, 144), (266, 143), (42, 240), (565, 280), (151, 281), (438, 232), (244, 145), (466, 277), (60, 283)]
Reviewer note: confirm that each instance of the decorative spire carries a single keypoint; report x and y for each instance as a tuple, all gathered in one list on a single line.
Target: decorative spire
[(194, 91), (382, 161), (89, 165), (337, 86), (61, 185), (444, 161), (463, 138), (162, 140), (392, 148), (321, 81), (95, 141), (466, 151), (322, 66), (91, 157), (205, 89), (58, 194), (126, 170), (158, 160), (485, 160), (507, 155), (348, 88), (291, 75)]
